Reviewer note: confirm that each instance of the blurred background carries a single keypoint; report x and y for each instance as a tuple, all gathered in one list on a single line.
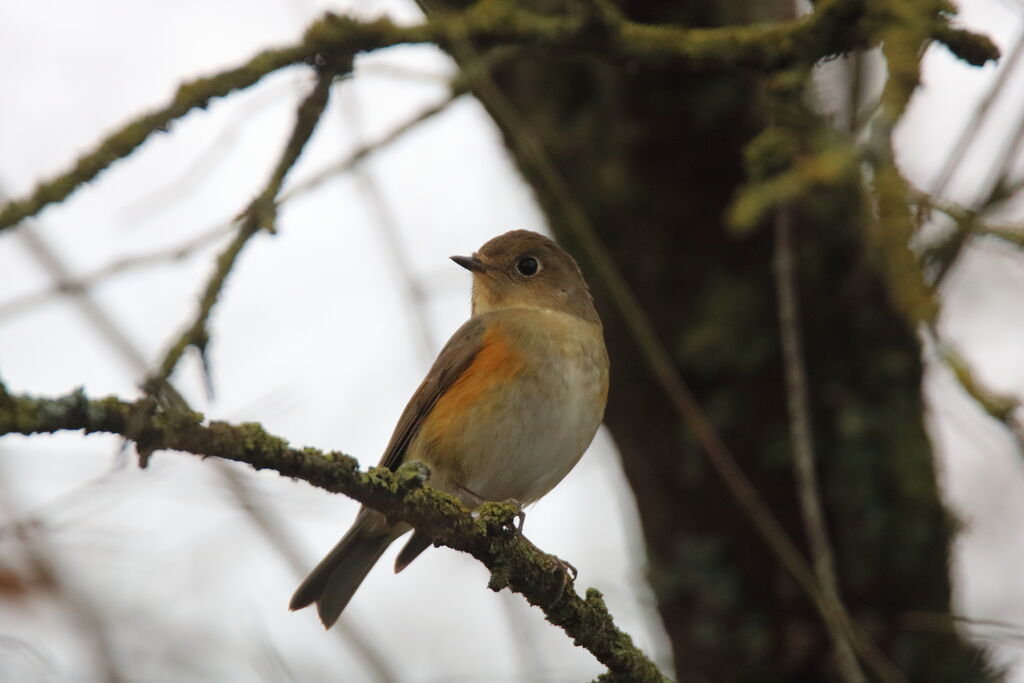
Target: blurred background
[(183, 571)]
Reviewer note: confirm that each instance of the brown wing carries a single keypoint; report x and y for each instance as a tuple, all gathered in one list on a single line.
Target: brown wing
[(455, 357)]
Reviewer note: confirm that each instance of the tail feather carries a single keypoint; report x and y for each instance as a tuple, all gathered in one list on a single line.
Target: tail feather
[(347, 575), (334, 581), (416, 545)]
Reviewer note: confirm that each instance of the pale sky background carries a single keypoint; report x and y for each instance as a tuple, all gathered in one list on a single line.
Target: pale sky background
[(316, 338)]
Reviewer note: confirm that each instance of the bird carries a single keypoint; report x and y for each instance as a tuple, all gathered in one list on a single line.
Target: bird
[(506, 411)]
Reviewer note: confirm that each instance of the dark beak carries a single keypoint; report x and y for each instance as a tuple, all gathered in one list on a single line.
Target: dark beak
[(470, 263)]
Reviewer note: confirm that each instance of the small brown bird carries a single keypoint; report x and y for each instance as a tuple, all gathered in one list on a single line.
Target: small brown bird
[(508, 408)]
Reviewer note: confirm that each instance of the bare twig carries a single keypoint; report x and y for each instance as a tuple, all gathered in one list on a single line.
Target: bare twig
[(65, 283), (361, 153), (993, 188), (269, 525), (198, 171), (259, 215), (1001, 407), (415, 296), (82, 611), (972, 220), (725, 464), (802, 436), (981, 110), (98, 318), (998, 631)]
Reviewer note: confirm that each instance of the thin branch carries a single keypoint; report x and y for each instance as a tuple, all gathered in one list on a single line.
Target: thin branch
[(972, 221), (98, 317), (85, 300), (890, 228), (834, 27), (514, 562), (981, 110), (83, 611), (993, 191), (726, 465), (999, 406), (353, 160), (943, 622), (994, 187), (195, 94), (65, 283), (803, 440), (130, 353), (269, 525), (387, 228), (890, 232), (204, 164), (260, 215)]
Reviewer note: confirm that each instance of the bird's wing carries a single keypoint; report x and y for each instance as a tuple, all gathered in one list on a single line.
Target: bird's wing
[(456, 356)]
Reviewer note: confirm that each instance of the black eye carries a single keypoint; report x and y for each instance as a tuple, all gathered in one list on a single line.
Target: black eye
[(528, 266)]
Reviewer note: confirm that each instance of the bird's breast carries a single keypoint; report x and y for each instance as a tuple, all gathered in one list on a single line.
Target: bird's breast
[(524, 411)]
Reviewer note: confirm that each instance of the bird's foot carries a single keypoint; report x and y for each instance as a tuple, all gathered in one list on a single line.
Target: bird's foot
[(568, 573), (517, 529)]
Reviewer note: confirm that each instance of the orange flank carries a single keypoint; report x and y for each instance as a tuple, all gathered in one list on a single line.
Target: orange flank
[(494, 364)]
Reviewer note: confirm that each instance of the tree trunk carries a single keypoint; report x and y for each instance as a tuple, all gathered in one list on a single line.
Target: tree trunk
[(653, 154)]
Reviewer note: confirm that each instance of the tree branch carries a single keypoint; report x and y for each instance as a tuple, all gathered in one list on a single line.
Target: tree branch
[(890, 232), (261, 214), (65, 283), (802, 437), (834, 27), (514, 562)]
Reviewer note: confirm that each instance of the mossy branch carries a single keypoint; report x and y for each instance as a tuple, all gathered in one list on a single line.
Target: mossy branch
[(836, 26), (514, 562)]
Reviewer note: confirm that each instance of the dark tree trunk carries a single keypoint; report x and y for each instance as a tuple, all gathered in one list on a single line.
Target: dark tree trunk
[(654, 154)]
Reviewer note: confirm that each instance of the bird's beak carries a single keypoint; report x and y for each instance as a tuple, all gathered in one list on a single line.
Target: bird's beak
[(470, 263)]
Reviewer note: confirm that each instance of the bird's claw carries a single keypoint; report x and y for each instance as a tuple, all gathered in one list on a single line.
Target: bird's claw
[(565, 570), (517, 529), (568, 568)]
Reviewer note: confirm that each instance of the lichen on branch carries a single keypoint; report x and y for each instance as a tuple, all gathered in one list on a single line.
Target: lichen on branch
[(835, 27), (514, 561)]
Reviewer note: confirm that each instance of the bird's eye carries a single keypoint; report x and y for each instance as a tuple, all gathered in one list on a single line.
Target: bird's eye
[(528, 266)]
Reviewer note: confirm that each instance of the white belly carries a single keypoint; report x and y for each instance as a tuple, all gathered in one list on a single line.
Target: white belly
[(528, 440)]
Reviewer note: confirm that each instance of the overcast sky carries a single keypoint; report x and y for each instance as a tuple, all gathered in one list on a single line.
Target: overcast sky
[(323, 332)]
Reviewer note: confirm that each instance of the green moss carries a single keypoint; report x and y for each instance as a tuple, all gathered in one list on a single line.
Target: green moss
[(381, 477), (780, 175), (496, 515), (888, 239), (411, 476), (255, 438), (771, 153), (500, 578)]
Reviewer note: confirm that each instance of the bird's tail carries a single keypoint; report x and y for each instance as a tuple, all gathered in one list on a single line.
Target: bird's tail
[(334, 581)]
